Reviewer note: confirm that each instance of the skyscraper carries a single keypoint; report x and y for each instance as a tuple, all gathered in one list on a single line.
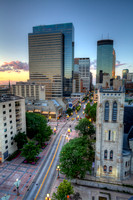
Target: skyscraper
[(51, 58), (124, 73), (105, 59), (83, 66)]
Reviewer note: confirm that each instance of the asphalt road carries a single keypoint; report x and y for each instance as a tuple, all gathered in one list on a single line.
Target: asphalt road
[(44, 179)]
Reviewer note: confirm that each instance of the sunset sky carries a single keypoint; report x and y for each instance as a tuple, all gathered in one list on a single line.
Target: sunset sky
[(92, 19)]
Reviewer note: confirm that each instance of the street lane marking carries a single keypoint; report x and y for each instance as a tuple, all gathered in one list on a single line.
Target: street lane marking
[(48, 169)]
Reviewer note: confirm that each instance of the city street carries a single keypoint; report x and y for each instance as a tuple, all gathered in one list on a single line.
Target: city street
[(37, 180)]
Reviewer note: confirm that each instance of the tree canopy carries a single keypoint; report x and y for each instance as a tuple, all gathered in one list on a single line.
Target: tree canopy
[(91, 111), (65, 188), (85, 127), (30, 151), (20, 139), (37, 127), (76, 157), (69, 111)]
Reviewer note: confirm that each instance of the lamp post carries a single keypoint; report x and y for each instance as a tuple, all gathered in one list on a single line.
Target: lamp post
[(17, 183), (58, 169), (6, 197), (47, 198)]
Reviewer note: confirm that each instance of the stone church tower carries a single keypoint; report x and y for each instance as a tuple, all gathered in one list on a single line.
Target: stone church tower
[(109, 134)]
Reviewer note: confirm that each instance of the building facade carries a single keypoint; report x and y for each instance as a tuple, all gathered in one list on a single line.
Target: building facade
[(51, 58), (124, 73), (82, 65), (105, 59), (12, 121), (29, 90), (112, 159)]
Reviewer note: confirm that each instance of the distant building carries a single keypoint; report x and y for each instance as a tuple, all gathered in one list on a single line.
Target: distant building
[(76, 82), (29, 90), (12, 121), (117, 77), (105, 59), (51, 58), (130, 77), (113, 155), (48, 108), (82, 65), (124, 73)]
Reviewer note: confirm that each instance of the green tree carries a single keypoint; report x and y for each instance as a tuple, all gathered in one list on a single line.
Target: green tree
[(69, 111), (43, 135), (76, 157), (35, 123), (91, 111), (30, 151), (85, 127), (20, 139), (37, 127), (65, 188)]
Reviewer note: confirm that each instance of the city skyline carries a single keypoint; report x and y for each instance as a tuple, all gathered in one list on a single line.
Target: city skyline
[(92, 20)]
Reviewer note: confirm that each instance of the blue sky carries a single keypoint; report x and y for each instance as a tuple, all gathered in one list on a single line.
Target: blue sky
[(92, 19)]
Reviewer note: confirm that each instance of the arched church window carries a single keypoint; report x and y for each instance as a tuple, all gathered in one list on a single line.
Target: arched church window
[(114, 112), (105, 154), (109, 135), (106, 112), (105, 168), (110, 169), (111, 155)]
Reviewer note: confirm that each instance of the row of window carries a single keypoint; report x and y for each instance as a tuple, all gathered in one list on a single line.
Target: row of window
[(4, 112), (105, 169), (6, 141), (110, 155), (5, 105), (111, 94), (5, 130), (4, 118), (114, 112), (6, 147), (6, 123), (127, 164)]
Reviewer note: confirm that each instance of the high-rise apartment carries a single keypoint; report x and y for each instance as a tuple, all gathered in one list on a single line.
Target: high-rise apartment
[(105, 59), (83, 66), (51, 58), (124, 73), (12, 120)]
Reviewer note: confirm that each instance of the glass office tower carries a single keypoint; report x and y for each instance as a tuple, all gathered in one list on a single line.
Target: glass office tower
[(105, 59), (51, 58)]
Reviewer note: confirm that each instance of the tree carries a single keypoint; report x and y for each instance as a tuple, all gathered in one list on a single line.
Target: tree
[(37, 127), (65, 188), (69, 111), (30, 151), (76, 158), (85, 127), (91, 111), (35, 122), (20, 139)]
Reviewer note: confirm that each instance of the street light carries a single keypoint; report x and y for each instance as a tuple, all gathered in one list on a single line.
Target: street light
[(17, 183), (6, 197), (47, 198), (58, 169)]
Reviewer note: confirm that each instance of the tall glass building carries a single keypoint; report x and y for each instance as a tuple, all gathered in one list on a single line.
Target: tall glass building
[(51, 58), (105, 59)]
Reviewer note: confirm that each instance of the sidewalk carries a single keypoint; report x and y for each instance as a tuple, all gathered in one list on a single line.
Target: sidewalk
[(11, 170)]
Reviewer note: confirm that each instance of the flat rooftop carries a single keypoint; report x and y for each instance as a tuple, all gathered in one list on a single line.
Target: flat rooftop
[(9, 97)]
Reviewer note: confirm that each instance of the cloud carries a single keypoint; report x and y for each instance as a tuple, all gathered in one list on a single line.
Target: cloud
[(93, 65), (15, 66), (118, 63)]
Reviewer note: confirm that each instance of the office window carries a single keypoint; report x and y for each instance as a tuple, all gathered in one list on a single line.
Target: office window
[(9, 104), (105, 154), (11, 132), (4, 106), (4, 124), (10, 110), (5, 130), (111, 155), (11, 138), (6, 141), (4, 118), (11, 143), (11, 127), (114, 112), (4, 112), (10, 122), (6, 147), (5, 136), (106, 112)]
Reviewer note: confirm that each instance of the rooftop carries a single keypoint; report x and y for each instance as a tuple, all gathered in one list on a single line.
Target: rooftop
[(9, 97)]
